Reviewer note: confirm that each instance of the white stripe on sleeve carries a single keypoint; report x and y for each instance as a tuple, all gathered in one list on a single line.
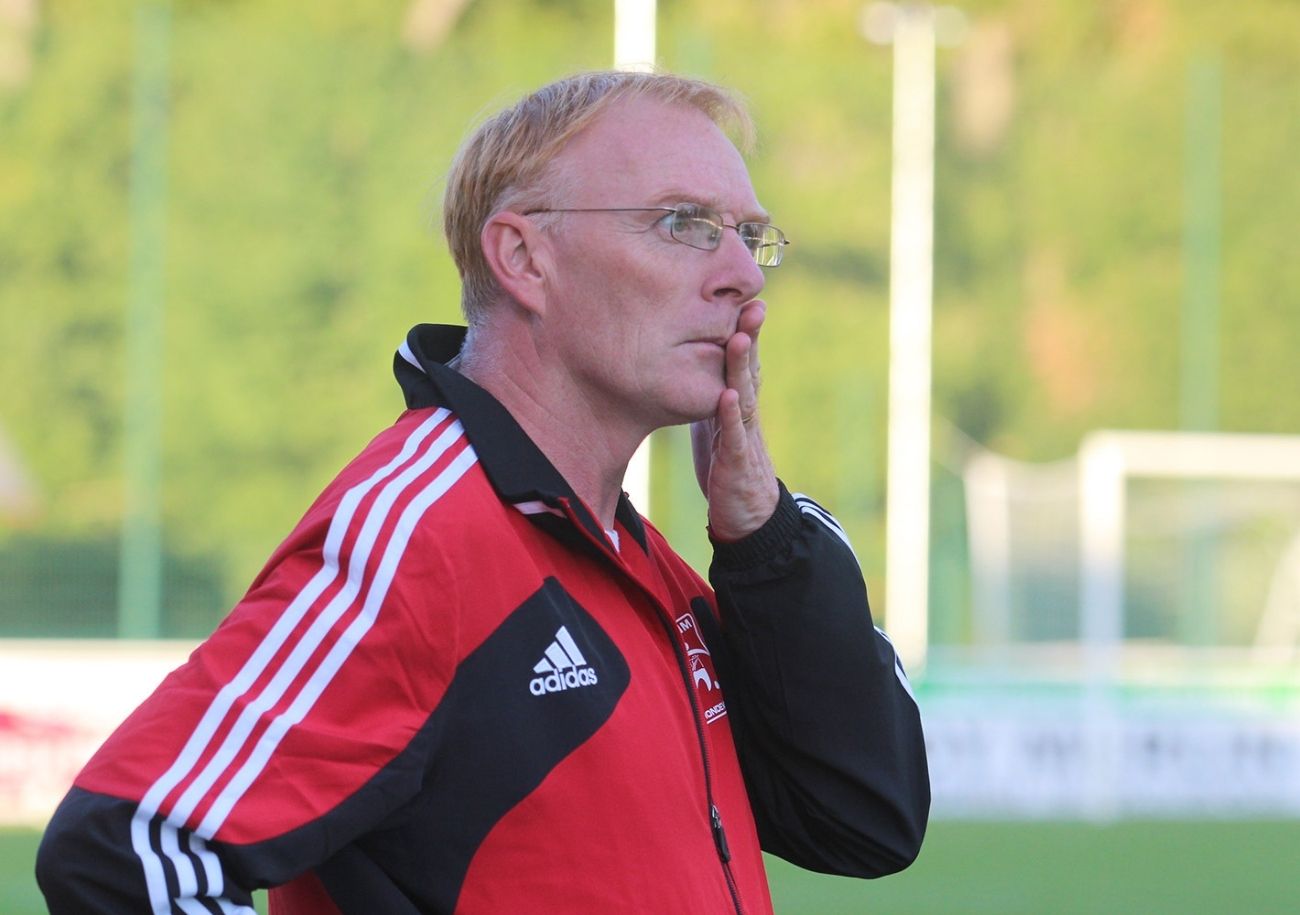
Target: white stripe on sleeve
[(813, 510), (898, 665), (261, 660)]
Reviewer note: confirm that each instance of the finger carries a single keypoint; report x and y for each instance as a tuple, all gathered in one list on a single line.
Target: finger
[(740, 373), (751, 318), (733, 441), (750, 323)]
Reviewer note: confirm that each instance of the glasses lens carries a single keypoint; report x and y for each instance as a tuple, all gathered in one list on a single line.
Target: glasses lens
[(697, 226), (766, 243)]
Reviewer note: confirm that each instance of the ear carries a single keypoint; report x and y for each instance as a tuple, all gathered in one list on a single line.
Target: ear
[(517, 253)]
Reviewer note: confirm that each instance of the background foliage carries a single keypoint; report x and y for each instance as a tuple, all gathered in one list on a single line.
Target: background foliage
[(305, 147)]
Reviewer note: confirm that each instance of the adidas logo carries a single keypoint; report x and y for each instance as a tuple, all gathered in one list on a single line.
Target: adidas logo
[(562, 667)]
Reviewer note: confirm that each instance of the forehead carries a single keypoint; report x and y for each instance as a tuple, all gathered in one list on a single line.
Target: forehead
[(645, 152)]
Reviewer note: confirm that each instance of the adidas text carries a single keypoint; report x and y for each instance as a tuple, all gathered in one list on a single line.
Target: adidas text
[(561, 680)]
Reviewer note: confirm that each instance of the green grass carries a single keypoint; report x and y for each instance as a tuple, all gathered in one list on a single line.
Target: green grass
[(1246, 868), (1056, 868), (18, 892)]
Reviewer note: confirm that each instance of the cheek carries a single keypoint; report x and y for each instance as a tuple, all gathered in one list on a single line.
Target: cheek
[(631, 305)]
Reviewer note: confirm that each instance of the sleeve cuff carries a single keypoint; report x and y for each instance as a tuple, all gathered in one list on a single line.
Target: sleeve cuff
[(765, 543)]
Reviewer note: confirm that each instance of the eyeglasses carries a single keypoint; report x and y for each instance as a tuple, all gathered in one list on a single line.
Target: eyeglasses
[(700, 227)]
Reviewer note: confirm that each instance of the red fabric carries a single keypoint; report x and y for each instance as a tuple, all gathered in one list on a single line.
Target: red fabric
[(299, 897)]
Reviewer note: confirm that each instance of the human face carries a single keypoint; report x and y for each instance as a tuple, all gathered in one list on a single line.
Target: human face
[(638, 319)]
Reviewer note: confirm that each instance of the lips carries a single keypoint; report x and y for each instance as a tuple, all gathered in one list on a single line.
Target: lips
[(719, 341)]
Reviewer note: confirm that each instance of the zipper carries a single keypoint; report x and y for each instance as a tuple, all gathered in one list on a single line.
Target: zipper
[(697, 716), (719, 834), (715, 816)]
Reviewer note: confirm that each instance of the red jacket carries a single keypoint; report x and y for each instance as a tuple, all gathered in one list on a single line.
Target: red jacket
[(449, 690)]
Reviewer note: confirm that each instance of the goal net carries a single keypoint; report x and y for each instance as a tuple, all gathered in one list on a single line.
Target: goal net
[(1133, 643), (1145, 544)]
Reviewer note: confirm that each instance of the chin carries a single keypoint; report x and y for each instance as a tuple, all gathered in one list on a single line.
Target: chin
[(692, 406)]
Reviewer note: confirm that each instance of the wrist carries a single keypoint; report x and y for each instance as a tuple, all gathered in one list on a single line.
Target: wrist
[(741, 521), (769, 538)]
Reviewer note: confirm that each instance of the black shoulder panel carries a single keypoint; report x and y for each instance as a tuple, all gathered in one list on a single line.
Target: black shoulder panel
[(542, 684)]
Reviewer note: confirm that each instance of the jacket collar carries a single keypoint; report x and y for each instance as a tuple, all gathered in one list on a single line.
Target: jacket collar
[(514, 465)]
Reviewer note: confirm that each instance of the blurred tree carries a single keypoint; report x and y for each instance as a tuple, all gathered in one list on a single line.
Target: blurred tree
[(305, 158)]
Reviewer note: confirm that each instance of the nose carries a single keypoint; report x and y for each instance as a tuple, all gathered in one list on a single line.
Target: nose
[(737, 277)]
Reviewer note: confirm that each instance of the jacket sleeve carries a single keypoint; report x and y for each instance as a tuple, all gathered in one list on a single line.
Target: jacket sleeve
[(826, 725), (286, 734)]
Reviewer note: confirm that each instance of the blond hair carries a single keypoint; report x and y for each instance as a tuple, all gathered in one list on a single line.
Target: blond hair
[(505, 161)]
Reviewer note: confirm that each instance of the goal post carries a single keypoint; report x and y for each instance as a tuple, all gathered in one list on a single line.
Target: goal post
[(1133, 633), (1108, 460), (1108, 463)]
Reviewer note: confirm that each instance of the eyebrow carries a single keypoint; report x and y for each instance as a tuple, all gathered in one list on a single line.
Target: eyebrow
[(672, 198)]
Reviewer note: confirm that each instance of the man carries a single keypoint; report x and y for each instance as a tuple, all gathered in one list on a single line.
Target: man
[(473, 679)]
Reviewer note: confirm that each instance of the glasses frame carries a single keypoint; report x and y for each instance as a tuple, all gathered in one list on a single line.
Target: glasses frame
[(696, 212)]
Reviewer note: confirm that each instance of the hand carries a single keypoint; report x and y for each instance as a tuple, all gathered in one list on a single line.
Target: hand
[(731, 461)]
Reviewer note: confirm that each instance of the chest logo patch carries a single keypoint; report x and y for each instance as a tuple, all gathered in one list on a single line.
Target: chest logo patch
[(707, 687), (562, 667)]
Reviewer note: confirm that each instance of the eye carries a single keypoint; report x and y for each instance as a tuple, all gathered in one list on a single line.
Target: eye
[(697, 226)]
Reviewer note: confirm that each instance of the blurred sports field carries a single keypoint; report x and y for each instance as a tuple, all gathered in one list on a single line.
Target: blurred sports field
[(1248, 868)]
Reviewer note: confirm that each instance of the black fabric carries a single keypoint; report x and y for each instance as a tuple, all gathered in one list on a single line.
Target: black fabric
[(829, 740), (628, 517), (87, 865), (758, 547), (484, 755), (517, 468), (83, 855)]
